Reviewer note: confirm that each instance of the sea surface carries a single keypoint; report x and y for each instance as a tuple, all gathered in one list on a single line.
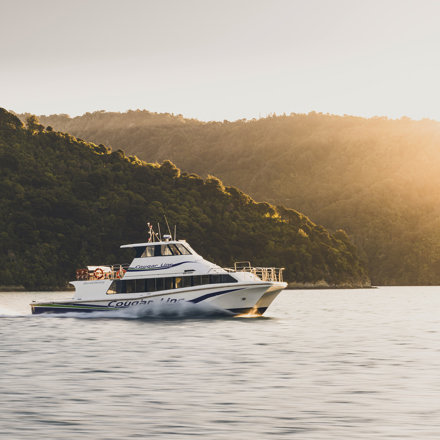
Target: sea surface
[(321, 364)]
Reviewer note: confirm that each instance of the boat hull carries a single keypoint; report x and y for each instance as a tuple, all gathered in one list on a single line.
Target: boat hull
[(236, 299)]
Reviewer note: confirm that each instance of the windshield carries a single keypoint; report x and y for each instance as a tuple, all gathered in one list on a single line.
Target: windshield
[(163, 250)]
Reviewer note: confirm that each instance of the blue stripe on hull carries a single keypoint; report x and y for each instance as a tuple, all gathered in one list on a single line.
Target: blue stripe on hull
[(210, 295)]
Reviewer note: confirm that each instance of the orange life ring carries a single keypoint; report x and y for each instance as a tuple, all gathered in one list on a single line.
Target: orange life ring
[(99, 273), (120, 273)]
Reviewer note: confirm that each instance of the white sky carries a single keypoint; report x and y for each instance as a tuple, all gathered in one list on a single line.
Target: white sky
[(215, 60)]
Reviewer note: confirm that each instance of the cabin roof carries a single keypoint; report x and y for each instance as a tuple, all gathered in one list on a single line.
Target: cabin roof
[(153, 243)]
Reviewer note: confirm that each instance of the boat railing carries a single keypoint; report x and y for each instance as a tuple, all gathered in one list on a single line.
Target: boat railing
[(102, 272), (263, 273)]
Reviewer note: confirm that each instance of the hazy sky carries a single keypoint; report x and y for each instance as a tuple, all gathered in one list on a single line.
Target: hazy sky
[(215, 60)]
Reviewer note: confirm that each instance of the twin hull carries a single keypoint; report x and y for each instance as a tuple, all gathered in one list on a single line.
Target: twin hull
[(253, 298)]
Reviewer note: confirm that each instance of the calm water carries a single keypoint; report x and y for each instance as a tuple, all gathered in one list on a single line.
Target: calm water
[(349, 364)]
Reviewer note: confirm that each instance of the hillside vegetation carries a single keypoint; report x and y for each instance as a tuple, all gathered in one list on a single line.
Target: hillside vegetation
[(377, 179), (65, 204)]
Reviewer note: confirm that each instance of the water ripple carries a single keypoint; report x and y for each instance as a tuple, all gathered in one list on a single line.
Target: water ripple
[(323, 365)]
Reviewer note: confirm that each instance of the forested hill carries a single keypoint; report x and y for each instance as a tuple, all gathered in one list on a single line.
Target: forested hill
[(377, 179), (65, 204)]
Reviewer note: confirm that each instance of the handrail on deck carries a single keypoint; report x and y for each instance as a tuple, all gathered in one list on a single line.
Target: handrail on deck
[(102, 272), (117, 271), (264, 273)]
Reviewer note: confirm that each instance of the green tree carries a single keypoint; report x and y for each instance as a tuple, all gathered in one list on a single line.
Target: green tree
[(33, 124), (169, 169)]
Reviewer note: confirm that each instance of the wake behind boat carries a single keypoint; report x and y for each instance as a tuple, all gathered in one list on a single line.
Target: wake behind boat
[(169, 271)]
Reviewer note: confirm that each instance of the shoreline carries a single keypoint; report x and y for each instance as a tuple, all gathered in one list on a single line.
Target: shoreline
[(290, 286), (23, 289)]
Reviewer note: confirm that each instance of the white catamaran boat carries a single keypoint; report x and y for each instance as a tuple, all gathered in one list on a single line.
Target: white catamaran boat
[(166, 271)]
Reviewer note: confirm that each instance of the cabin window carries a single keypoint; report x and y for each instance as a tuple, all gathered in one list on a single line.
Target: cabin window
[(173, 249), (182, 249), (178, 249), (148, 252), (228, 279), (161, 250), (139, 251), (150, 285), (169, 283), (130, 286), (186, 281), (112, 289), (140, 286), (159, 284), (166, 250), (116, 287)]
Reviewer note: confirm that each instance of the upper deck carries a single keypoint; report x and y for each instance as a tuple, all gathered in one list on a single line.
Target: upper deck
[(151, 258), (172, 258)]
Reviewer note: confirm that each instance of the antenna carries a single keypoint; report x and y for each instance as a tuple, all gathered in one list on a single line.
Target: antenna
[(168, 225), (158, 227), (150, 228), (175, 235), (153, 235)]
